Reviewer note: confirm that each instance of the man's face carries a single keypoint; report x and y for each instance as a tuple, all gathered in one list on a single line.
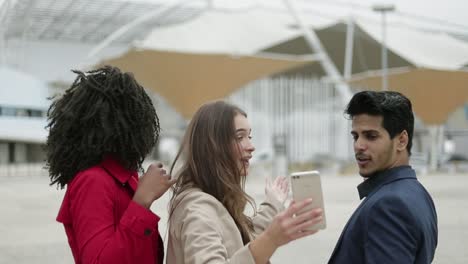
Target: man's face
[(374, 149)]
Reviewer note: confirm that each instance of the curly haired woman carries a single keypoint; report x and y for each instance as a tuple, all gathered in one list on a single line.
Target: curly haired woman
[(101, 130)]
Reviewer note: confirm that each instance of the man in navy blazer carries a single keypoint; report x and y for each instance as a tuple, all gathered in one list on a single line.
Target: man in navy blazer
[(397, 221)]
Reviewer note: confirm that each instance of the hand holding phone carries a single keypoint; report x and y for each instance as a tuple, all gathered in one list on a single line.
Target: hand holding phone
[(305, 185)]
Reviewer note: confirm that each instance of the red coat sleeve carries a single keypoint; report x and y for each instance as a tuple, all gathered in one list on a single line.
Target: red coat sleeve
[(99, 236)]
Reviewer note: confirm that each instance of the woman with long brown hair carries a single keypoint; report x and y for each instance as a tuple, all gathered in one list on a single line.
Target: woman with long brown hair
[(207, 223)]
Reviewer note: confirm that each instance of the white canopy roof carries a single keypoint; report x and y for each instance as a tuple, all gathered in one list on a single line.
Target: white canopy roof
[(249, 31), (241, 32), (424, 49)]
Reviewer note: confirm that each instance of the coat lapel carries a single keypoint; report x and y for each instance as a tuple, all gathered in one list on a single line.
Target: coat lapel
[(338, 244)]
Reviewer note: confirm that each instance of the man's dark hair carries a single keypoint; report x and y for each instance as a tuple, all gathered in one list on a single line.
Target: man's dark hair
[(394, 107), (104, 112)]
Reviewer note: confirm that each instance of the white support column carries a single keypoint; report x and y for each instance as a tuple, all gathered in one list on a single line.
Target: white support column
[(348, 65), (440, 144), (436, 140), (316, 45), (20, 152), (280, 162), (4, 153), (384, 9)]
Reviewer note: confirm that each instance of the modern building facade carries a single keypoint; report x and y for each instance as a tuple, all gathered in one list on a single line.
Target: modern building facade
[(23, 106)]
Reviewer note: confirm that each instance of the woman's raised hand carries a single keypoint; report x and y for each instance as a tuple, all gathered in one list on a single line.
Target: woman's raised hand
[(152, 185), (289, 225), (277, 189)]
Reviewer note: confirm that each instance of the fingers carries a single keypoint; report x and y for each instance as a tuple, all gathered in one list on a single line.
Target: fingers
[(287, 227), (279, 181), (306, 220), (268, 181), (167, 180), (153, 184), (267, 185), (156, 170), (303, 234), (172, 181), (285, 185), (282, 183), (156, 167), (295, 207)]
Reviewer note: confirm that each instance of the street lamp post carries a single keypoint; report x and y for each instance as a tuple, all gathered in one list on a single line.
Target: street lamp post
[(383, 9)]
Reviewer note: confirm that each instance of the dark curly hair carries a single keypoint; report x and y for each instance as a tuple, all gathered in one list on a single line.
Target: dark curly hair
[(104, 112), (394, 107)]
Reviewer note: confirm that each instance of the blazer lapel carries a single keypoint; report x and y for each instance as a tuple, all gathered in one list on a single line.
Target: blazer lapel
[(338, 244)]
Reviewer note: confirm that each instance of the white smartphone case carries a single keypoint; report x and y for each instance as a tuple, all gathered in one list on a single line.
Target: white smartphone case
[(305, 185)]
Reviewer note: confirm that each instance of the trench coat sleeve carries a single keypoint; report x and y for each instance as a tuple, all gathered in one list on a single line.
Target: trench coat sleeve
[(265, 214), (199, 228), (97, 239)]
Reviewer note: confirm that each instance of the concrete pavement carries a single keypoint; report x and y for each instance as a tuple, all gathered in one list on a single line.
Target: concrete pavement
[(29, 233)]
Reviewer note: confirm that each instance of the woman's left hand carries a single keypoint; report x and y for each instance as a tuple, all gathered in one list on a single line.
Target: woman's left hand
[(277, 189)]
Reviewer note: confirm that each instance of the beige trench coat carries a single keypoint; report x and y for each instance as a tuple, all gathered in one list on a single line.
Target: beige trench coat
[(201, 231)]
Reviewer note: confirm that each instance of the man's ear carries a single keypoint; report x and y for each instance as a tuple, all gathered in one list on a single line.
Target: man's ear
[(402, 140)]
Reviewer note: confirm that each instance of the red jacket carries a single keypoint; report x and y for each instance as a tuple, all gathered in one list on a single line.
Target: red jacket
[(103, 224)]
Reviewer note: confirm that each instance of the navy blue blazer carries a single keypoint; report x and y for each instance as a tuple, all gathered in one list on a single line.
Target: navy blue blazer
[(396, 223)]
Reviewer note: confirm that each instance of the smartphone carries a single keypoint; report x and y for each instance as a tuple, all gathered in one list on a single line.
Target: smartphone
[(305, 185)]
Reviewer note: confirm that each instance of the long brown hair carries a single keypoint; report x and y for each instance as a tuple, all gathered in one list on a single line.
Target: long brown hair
[(210, 164)]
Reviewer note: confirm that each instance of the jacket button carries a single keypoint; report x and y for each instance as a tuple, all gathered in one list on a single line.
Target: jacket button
[(147, 232)]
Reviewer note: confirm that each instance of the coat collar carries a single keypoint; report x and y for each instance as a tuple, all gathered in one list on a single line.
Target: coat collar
[(384, 177), (119, 172), (370, 186)]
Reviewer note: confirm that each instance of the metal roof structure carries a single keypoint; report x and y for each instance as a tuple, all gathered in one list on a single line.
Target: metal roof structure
[(85, 21)]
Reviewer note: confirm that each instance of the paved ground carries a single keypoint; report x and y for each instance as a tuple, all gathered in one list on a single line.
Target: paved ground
[(29, 233)]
